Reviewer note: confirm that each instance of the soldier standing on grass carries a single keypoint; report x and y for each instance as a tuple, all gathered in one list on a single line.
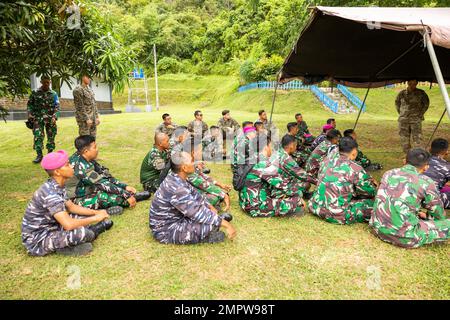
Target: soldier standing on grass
[(411, 103), (86, 112), (43, 108)]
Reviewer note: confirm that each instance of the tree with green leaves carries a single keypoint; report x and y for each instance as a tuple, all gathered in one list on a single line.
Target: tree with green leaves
[(60, 39)]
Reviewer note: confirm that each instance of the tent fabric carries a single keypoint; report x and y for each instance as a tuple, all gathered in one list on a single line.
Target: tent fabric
[(361, 47)]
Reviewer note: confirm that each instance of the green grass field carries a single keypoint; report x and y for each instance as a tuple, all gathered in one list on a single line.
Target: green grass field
[(290, 258)]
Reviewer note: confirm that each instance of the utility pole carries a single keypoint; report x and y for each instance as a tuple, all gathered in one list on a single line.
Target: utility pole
[(156, 76)]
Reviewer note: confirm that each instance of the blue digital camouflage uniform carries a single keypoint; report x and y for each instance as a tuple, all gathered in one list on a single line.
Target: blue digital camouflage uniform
[(267, 194), (41, 233), (92, 186), (439, 171), (43, 106), (402, 194), (344, 193), (180, 214)]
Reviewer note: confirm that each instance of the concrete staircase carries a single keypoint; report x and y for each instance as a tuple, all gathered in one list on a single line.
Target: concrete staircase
[(345, 106)]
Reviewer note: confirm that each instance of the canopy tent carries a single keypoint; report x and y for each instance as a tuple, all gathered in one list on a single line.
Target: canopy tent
[(371, 47)]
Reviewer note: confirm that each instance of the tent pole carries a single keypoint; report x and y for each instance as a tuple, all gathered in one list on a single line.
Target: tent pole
[(437, 70), (362, 107), (273, 100), (437, 126)]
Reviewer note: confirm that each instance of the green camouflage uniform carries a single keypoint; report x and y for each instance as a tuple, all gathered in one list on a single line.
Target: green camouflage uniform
[(92, 186), (317, 156), (152, 165), (411, 107), (362, 160), (289, 169), (206, 186), (344, 193), (402, 194), (267, 194), (302, 153), (43, 106), (85, 109), (162, 128)]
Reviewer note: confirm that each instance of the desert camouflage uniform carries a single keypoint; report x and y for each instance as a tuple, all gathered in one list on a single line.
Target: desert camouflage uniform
[(411, 107), (85, 109), (228, 127), (43, 106), (197, 128), (152, 165), (439, 171), (162, 128), (344, 193), (92, 186), (267, 194), (180, 214), (317, 157), (206, 186), (289, 169), (402, 194), (41, 233)]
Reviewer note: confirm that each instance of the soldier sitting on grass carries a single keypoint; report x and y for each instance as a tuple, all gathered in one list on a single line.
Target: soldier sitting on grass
[(408, 210), (52, 223), (318, 155), (93, 186), (321, 137), (439, 169), (154, 163), (179, 214), (288, 168), (361, 158), (301, 155), (345, 192), (265, 192)]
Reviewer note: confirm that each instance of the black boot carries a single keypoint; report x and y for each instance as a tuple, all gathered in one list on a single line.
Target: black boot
[(226, 216), (143, 195), (206, 171), (79, 250), (101, 227), (50, 150), (38, 158), (114, 211)]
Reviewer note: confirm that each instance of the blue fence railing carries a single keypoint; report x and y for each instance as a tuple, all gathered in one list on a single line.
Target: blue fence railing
[(351, 97), (325, 99), (292, 85)]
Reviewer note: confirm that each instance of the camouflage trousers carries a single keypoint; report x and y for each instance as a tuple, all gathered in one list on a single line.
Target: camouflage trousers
[(151, 186), (356, 211), (426, 232), (62, 238), (40, 128), (212, 195), (268, 206), (84, 129), (410, 131), (101, 200), (186, 231)]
